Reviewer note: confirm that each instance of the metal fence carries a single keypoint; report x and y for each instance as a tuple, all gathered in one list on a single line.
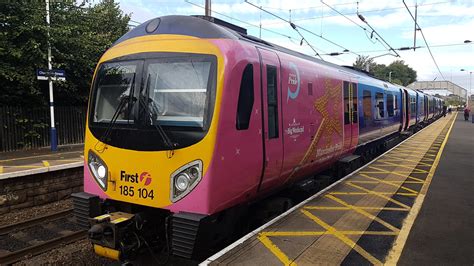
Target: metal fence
[(27, 128)]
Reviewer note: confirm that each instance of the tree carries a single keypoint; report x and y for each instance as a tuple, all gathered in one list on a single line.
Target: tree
[(401, 74), (79, 36)]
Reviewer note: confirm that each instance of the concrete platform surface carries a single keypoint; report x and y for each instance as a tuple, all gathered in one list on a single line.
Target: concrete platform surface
[(22, 163), (443, 233), (365, 218)]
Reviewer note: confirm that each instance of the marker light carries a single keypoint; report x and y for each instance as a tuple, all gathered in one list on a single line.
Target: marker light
[(185, 179), (98, 169)]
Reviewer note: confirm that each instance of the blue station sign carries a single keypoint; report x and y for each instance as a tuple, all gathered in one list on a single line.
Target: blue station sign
[(54, 74)]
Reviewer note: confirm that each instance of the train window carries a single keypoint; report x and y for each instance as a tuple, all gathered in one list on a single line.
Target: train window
[(245, 103), (379, 106), (390, 108), (272, 101), (310, 88), (354, 102), (346, 103), (115, 83), (367, 107), (412, 106)]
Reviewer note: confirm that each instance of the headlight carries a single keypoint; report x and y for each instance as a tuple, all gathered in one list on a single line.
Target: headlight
[(98, 169), (185, 179)]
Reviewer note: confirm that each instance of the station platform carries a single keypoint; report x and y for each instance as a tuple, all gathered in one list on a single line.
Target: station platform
[(29, 162), (413, 204)]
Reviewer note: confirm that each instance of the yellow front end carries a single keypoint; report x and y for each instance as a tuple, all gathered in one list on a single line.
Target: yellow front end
[(144, 177)]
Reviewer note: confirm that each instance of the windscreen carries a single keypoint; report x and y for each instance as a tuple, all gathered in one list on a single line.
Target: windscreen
[(114, 86), (178, 89)]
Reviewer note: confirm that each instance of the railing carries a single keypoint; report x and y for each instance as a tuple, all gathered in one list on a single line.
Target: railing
[(27, 128)]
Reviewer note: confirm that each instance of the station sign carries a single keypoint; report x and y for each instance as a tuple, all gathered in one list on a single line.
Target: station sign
[(54, 74)]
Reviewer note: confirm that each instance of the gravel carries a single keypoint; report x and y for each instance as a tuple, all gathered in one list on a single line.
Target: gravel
[(16, 216), (78, 253)]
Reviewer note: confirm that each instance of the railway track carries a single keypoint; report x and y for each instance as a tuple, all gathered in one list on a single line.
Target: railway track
[(38, 235)]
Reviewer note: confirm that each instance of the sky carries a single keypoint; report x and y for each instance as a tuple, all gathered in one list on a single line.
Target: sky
[(445, 24)]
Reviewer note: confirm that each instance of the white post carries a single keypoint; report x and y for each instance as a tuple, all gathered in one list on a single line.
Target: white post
[(53, 134)]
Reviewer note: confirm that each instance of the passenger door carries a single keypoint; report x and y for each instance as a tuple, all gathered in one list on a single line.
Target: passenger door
[(272, 123), (351, 118)]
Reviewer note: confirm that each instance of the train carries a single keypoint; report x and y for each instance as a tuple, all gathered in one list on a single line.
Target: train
[(190, 120)]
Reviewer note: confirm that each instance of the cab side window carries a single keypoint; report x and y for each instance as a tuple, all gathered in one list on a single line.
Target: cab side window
[(246, 99)]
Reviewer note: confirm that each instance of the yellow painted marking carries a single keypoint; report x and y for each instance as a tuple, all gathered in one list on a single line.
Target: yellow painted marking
[(39, 156), (363, 212), (393, 181), (397, 248), (382, 171), (275, 250), (46, 163), (308, 233), (405, 160), (380, 195), (378, 192), (347, 208), (1, 169), (343, 238), (318, 233), (23, 166), (404, 166), (389, 183)]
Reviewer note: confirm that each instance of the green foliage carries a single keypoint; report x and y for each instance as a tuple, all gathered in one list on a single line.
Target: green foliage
[(79, 36), (402, 74)]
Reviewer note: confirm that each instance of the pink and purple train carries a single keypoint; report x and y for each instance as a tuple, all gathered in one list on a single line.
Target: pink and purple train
[(190, 120)]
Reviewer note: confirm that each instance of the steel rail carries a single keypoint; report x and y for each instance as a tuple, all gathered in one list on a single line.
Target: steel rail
[(35, 221)]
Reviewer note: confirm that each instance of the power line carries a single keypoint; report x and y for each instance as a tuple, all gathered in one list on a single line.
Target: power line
[(296, 26), (423, 35), (417, 47), (357, 24), (365, 12), (374, 31), (241, 21)]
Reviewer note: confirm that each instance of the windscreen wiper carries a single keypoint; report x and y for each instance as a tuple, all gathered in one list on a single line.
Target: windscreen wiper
[(153, 114), (108, 130)]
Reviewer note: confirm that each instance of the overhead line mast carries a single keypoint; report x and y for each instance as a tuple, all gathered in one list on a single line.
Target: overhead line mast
[(426, 42)]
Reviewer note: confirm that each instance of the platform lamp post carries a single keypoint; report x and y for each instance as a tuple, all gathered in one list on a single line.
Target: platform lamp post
[(470, 83), (53, 134)]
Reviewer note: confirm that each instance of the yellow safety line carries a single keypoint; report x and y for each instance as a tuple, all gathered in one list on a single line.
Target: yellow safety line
[(403, 166), (399, 244), (382, 171), (393, 181), (405, 160), (347, 208), (389, 183), (23, 166), (343, 238), (319, 233), (302, 233), (41, 155), (46, 163), (378, 192), (275, 250), (363, 212), (380, 195), (1, 169)]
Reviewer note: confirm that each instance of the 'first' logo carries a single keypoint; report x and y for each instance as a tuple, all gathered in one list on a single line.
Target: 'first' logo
[(145, 176)]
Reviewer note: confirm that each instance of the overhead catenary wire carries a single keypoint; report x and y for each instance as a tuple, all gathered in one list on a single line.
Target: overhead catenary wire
[(296, 26), (364, 11), (241, 21), (374, 31), (426, 42), (290, 38)]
